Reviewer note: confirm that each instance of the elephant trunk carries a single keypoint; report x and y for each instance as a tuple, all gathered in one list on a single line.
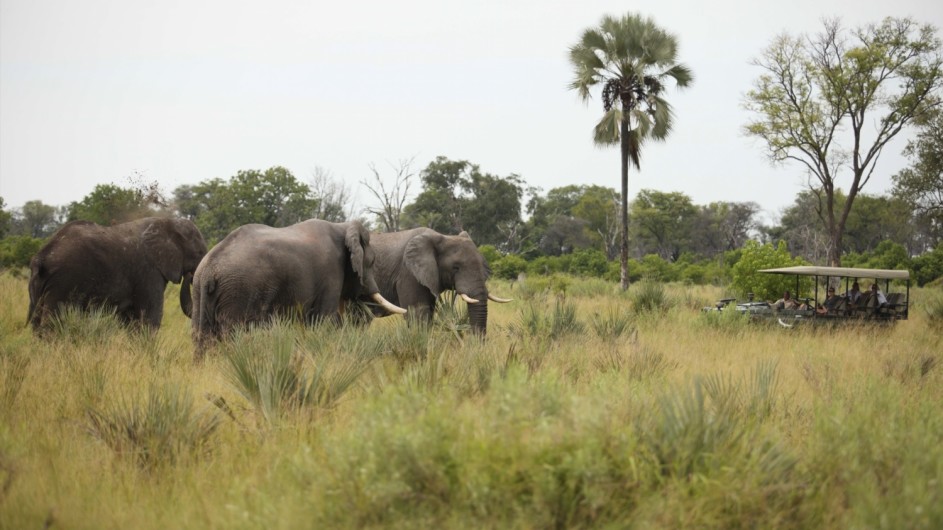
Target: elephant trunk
[(478, 317), (186, 302)]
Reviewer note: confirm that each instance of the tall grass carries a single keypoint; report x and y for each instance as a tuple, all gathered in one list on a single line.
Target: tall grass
[(581, 409), (163, 427), (274, 372)]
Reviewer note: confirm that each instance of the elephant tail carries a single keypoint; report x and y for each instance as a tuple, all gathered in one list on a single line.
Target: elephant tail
[(204, 324), (208, 305), (37, 287)]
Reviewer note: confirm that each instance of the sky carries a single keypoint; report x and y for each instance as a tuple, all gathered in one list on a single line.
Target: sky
[(178, 92)]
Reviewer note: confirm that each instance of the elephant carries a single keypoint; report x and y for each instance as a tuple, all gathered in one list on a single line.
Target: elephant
[(124, 268), (414, 266), (308, 270)]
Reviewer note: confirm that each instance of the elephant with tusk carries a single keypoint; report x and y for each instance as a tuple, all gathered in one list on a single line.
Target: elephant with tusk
[(124, 268), (309, 270), (414, 266)]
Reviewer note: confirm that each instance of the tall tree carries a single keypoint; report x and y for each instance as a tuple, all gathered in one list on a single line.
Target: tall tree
[(599, 206), (663, 223), (273, 197), (36, 219), (817, 91), (393, 199), (921, 184), (108, 204), (6, 219), (334, 200), (723, 226), (631, 58), (457, 196), (800, 227)]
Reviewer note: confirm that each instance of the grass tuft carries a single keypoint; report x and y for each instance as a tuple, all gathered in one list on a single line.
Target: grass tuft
[(649, 296), (271, 371), (162, 429), (94, 326)]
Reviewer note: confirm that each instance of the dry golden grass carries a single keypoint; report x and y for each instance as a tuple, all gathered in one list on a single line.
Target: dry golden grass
[(555, 427)]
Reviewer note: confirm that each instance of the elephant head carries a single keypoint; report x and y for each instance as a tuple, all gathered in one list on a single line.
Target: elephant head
[(362, 258), (440, 262), (174, 247)]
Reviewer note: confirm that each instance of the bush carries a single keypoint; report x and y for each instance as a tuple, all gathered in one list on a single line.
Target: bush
[(490, 253), (561, 321), (654, 267), (508, 267), (648, 296), (757, 257), (268, 368), (612, 324), (928, 266), (16, 251), (589, 262), (160, 429)]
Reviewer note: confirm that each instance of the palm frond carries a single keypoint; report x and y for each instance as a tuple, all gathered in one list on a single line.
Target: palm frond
[(635, 148), (681, 74), (606, 131)]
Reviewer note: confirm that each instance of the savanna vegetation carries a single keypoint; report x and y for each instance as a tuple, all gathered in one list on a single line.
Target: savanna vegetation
[(586, 406)]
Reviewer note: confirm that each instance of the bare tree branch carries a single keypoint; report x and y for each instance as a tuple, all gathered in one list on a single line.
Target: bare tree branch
[(392, 200)]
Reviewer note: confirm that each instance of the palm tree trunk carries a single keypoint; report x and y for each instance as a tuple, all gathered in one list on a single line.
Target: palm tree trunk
[(624, 209)]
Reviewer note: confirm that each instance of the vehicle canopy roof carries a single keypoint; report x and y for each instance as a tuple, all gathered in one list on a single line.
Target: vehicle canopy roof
[(847, 272)]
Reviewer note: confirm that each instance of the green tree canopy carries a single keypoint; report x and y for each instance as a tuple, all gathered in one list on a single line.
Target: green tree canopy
[(921, 184), (631, 59), (832, 102), (457, 196), (662, 223), (109, 204), (36, 219), (874, 219), (273, 197), (6, 219), (723, 226), (756, 257), (574, 217)]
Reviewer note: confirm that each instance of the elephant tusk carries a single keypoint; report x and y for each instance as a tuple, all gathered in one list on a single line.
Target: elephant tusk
[(468, 299), (494, 298), (385, 304)]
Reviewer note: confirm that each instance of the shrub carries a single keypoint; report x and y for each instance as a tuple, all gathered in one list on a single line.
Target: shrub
[(757, 257), (85, 326), (508, 267), (268, 369), (934, 309), (16, 251), (656, 268), (928, 266), (612, 324), (162, 428), (648, 296), (589, 262), (534, 322)]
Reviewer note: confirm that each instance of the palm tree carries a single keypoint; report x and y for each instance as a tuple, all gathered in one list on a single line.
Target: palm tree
[(631, 58)]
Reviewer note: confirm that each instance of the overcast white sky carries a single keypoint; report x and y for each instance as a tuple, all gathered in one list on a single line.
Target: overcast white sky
[(98, 91)]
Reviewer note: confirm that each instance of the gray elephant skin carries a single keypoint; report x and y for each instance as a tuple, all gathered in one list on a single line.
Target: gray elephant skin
[(414, 266), (309, 270), (124, 268)]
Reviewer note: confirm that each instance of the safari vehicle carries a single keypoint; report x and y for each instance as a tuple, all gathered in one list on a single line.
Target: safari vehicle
[(866, 310)]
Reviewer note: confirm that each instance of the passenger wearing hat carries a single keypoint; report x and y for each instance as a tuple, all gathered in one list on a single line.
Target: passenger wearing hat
[(830, 305)]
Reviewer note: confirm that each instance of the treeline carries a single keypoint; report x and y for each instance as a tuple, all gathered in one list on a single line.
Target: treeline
[(571, 229)]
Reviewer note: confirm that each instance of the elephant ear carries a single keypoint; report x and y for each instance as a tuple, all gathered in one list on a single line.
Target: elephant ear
[(420, 259), (160, 239), (356, 239)]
